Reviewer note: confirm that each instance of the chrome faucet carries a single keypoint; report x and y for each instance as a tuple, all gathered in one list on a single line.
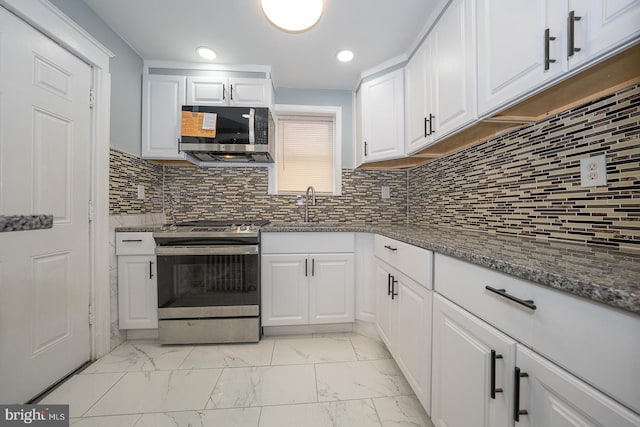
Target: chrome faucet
[(306, 202)]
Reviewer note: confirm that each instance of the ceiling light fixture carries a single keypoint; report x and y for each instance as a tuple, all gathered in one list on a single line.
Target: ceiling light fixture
[(292, 15), (344, 56), (206, 53)]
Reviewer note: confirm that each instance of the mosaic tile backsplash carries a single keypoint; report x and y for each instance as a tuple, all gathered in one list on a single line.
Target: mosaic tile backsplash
[(222, 193), (126, 171), (528, 182)]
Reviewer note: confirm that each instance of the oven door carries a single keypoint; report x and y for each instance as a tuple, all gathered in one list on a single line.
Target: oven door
[(208, 281)]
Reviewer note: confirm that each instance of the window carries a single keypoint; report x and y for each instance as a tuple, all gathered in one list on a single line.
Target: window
[(307, 150)]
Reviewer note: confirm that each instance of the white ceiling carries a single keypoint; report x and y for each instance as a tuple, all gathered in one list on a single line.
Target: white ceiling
[(375, 30)]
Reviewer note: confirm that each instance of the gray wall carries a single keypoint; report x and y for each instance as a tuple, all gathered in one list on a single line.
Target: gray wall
[(126, 76), (337, 98)]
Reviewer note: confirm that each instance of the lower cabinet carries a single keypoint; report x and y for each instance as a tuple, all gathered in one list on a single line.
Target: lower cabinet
[(137, 292), (300, 289), (482, 377), (403, 319), (473, 367)]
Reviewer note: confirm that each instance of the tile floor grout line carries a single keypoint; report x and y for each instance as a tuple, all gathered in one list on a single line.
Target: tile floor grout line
[(103, 394)]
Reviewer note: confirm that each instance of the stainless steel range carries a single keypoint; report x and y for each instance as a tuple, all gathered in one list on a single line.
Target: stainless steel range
[(209, 282)]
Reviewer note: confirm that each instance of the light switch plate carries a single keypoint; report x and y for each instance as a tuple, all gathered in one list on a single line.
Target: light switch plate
[(386, 192), (593, 171)]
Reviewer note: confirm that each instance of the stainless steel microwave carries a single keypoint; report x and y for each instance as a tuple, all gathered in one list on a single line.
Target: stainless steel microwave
[(227, 134)]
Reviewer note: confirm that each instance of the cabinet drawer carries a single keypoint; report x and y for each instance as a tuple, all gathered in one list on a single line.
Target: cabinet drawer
[(135, 243), (309, 242), (413, 261), (596, 343)]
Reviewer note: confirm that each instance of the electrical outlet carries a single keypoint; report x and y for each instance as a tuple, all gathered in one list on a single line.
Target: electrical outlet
[(593, 171), (386, 192), (140, 192)]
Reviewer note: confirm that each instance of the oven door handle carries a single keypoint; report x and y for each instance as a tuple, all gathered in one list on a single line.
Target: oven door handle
[(208, 250)]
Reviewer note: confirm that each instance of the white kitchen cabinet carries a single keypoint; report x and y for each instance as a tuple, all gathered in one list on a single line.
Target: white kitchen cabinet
[(162, 100), (383, 117), (441, 85), (473, 365), (601, 26), (511, 48), (551, 397), (403, 310), (285, 290), (137, 282), (307, 278), (228, 91)]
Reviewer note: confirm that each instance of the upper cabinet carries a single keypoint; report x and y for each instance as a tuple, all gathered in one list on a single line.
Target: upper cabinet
[(383, 117), (164, 95), (162, 100), (524, 44), (234, 92), (440, 90)]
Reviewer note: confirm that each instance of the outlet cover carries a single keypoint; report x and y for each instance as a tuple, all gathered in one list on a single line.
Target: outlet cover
[(593, 171), (140, 192), (386, 192)]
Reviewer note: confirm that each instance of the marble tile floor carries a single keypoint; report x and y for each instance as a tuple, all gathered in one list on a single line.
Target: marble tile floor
[(320, 380)]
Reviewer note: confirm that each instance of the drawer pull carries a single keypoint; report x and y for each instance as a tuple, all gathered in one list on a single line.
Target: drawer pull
[(494, 390), (503, 293), (391, 248), (516, 395), (393, 287), (131, 240), (150, 269)]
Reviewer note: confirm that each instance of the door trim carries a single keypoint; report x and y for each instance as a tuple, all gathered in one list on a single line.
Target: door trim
[(46, 18)]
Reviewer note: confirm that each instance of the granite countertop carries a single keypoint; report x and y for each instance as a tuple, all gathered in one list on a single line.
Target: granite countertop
[(25, 222), (605, 275)]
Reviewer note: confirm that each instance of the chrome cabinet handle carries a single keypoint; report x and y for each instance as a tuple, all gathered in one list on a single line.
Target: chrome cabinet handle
[(493, 390), (503, 293), (571, 33), (547, 59)]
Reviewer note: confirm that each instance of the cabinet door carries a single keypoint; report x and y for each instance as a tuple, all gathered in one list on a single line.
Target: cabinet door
[(462, 374), (603, 25), (383, 117), (413, 343), (511, 48), (385, 309), (331, 288), (137, 292), (207, 91), (552, 397), (249, 92), (285, 290), (162, 100), (418, 99), (453, 66)]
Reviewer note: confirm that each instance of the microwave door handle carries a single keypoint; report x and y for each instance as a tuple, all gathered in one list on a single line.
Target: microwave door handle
[(252, 125)]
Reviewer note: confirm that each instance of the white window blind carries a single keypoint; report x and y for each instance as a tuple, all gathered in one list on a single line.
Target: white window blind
[(305, 154)]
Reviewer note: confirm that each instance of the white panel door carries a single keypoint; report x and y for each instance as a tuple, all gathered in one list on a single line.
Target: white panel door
[(511, 48), (453, 67), (602, 25), (285, 290), (413, 343), (418, 99), (552, 397), (249, 92), (383, 117), (331, 288), (462, 370), (44, 169), (207, 91), (162, 100), (137, 292)]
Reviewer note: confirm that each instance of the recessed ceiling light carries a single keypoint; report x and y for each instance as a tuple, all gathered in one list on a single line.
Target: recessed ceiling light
[(344, 56), (206, 53), (292, 15)]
